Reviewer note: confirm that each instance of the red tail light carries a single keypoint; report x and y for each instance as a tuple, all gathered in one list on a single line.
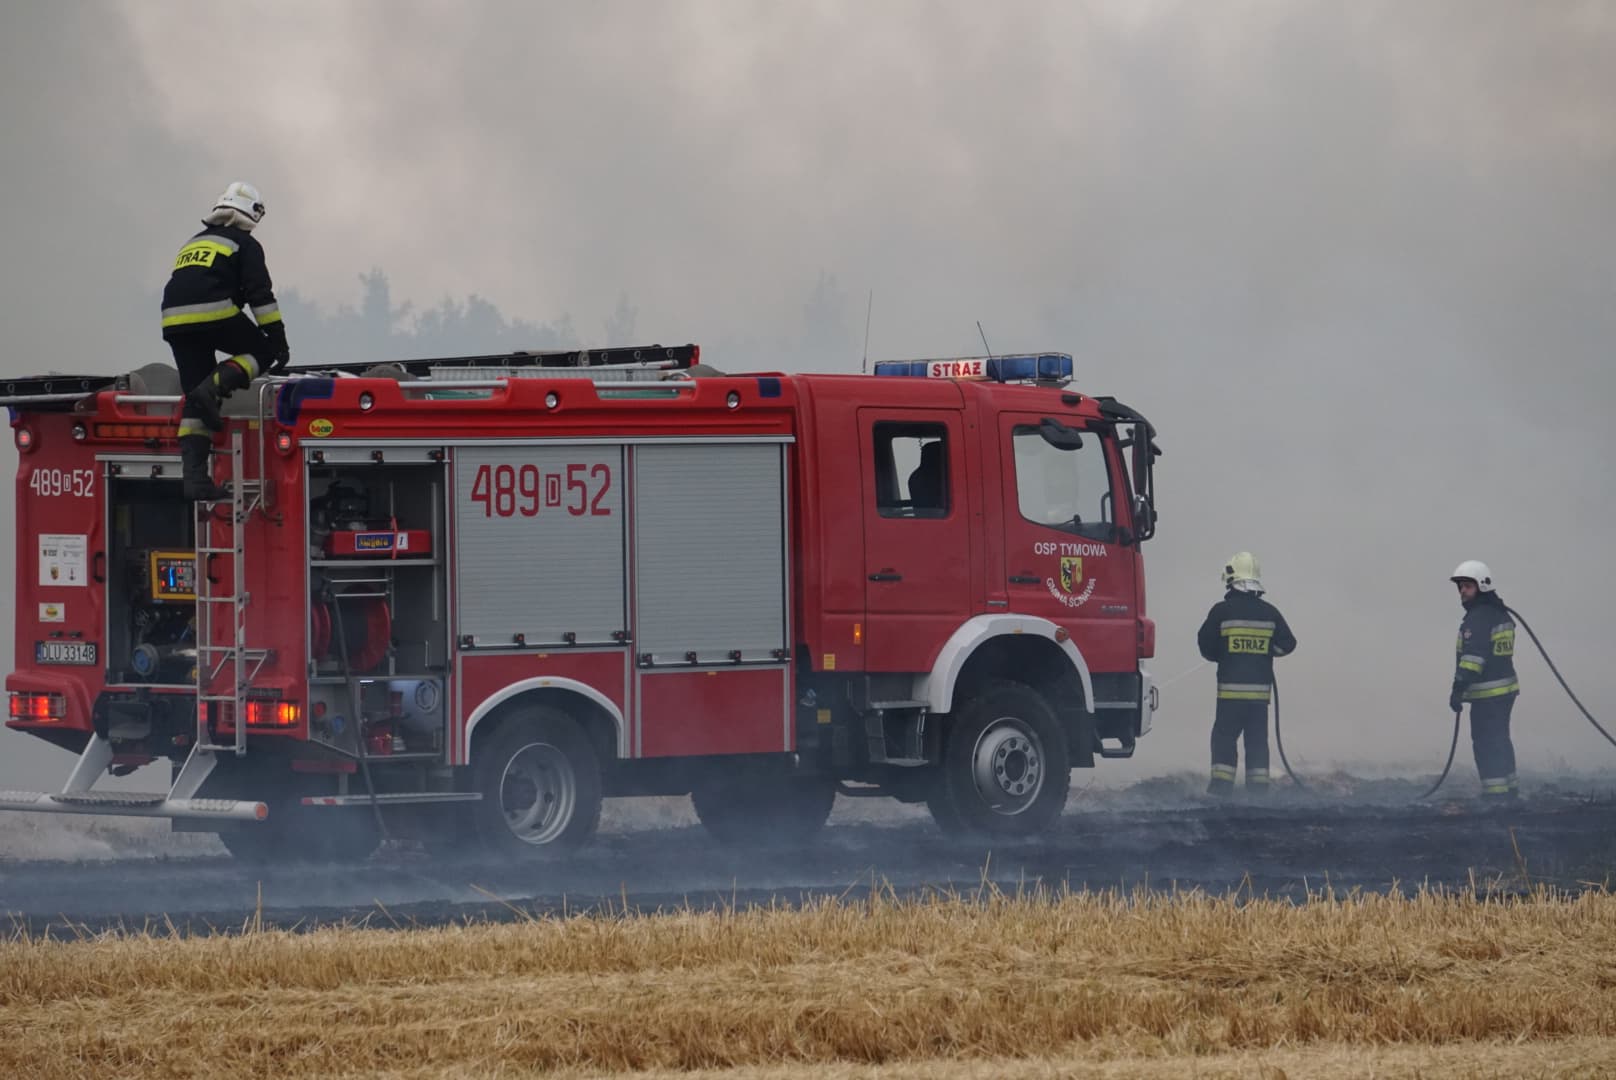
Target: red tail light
[(265, 714), (39, 708), (273, 714)]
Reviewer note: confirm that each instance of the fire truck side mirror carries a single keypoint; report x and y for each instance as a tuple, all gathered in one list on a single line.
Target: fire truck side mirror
[(1142, 442), (1144, 518), (1060, 436)]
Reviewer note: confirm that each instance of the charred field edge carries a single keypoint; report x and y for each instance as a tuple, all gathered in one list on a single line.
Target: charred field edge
[(1285, 851)]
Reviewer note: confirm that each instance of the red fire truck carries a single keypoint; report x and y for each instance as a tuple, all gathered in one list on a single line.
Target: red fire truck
[(472, 597)]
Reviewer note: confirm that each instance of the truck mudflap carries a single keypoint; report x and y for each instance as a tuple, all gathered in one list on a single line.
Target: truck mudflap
[(77, 796)]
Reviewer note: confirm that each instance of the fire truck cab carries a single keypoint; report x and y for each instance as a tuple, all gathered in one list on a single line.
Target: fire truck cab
[(475, 596)]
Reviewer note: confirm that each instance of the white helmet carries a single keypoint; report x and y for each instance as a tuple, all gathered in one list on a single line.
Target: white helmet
[(1242, 572), (1473, 570), (243, 198)]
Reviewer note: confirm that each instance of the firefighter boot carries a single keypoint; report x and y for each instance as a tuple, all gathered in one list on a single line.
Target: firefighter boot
[(196, 451), (206, 399), (203, 404), (1222, 785)]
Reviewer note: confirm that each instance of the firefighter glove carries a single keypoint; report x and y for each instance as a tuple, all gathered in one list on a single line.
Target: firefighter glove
[(1456, 698), (279, 354)]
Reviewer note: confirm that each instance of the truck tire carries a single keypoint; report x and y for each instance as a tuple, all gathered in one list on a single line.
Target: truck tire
[(1006, 767), (294, 833), (763, 807), (541, 787), (341, 835), (255, 843)]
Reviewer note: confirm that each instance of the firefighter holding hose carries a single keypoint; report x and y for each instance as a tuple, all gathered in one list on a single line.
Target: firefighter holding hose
[(1485, 679), (1242, 634)]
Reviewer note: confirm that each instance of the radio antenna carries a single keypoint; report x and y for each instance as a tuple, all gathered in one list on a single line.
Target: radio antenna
[(864, 367), (985, 344)]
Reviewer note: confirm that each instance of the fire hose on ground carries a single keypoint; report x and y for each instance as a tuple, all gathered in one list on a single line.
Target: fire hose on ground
[(1453, 746)]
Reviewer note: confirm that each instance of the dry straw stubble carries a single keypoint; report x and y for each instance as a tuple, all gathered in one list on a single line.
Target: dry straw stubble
[(1063, 982)]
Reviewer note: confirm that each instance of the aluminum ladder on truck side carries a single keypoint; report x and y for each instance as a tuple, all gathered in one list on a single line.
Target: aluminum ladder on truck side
[(227, 600)]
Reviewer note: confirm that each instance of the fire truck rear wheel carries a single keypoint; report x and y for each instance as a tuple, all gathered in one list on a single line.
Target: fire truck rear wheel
[(293, 832), (346, 835), (254, 843), (540, 781), (1006, 766), (298, 834), (764, 807)]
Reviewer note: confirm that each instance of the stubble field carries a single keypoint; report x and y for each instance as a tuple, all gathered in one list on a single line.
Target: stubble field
[(1033, 985)]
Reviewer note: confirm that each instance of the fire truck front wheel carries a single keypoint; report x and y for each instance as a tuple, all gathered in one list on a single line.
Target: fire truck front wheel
[(1006, 767), (540, 781)]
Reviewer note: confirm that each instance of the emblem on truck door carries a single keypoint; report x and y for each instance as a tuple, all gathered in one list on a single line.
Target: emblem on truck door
[(1071, 572)]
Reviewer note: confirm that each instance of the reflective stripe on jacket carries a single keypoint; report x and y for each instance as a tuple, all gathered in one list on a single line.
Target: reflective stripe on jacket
[(1242, 634), (219, 272)]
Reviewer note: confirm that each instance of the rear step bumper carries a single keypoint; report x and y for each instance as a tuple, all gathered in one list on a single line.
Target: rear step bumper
[(178, 802), (133, 804)]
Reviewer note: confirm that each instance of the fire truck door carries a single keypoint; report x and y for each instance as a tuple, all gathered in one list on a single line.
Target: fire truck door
[(917, 539), (1063, 559)]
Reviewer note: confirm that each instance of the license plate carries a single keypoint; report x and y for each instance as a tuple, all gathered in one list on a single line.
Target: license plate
[(65, 652)]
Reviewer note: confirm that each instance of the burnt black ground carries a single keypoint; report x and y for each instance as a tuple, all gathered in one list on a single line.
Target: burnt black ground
[(1294, 847)]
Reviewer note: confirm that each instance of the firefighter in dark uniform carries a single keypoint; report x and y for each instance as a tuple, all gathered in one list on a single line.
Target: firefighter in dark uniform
[(1242, 635), (217, 273), (1485, 678)]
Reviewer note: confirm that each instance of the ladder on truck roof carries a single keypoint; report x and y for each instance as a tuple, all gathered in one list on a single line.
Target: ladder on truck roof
[(540, 364), (61, 391)]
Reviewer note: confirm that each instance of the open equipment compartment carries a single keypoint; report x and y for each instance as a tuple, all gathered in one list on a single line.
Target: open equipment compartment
[(378, 623)]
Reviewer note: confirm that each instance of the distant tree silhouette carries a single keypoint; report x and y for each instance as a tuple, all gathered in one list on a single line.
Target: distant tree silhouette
[(379, 328)]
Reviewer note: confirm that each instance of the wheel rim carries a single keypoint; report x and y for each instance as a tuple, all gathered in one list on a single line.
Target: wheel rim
[(538, 793), (1007, 766)]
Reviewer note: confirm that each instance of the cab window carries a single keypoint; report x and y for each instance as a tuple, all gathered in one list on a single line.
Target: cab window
[(1067, 488), (911, 470)]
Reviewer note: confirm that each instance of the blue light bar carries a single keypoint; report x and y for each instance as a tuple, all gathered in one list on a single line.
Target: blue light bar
[(1022, 367)]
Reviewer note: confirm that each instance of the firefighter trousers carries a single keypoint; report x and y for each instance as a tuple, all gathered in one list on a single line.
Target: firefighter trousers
[(1495, 753), (196, 352), (1236, 720)]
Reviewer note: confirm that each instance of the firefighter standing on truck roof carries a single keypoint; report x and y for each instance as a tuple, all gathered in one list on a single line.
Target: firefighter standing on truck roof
[(219, 271), (1242, 635), (1485, 677)]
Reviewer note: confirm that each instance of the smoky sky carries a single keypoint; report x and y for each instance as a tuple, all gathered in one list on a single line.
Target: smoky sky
[(1357, 262)]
